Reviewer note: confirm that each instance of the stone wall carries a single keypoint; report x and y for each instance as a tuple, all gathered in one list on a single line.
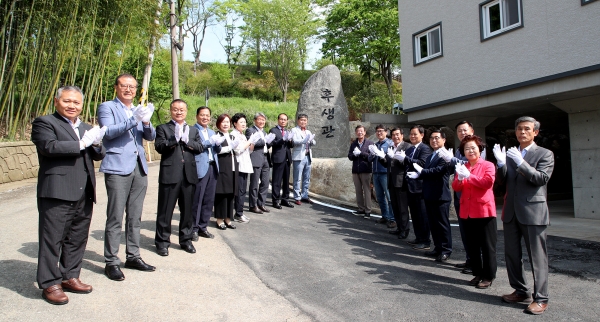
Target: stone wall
[(18, 161)]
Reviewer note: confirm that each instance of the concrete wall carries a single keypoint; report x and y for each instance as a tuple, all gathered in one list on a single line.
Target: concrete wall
[(557, 36), (18, 161)]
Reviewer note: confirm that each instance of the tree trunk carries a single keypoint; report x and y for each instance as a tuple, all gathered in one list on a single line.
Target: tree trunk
[(151, 49), (174, 64)]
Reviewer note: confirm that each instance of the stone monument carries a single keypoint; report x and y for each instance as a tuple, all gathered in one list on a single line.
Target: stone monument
[(322, 99)]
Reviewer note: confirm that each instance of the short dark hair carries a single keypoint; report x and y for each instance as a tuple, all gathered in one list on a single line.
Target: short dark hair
[(301, 115), (358, 127), (380, 126), (471, 138), (280, 114), (394, 129), (463, 122), (442, 134), (237, 116), (125, 75), (177, 100), (418, 127), (203, 108), (222, 118)]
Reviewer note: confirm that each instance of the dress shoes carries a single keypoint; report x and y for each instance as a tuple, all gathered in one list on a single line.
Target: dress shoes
[(421, 247), (298, 202), (276, 205), (205, 234), (55, 295), (462, 265), (162, 251), (475, 281), (139, 264), (403, 235), (537, 308), (264, 209), (515, 297), (230, 225), (431, 253), (188, 248), (114, 273), (307, 200), (467, 270), (484, 284), (74, 285), (358, 213), (367, 215), (442, 258), (391, 224), (286, 204), (195, 236), (394, 232), (221, 226), (255, 210), (381, 221)]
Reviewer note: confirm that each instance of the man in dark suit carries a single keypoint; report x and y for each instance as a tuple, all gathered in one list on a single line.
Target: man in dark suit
[(437, 197), (125, 174), (281, 155), (177, 143), (362, 169), (525, 212), (418, 153), (66, 191), (395, 172), (261, 162)]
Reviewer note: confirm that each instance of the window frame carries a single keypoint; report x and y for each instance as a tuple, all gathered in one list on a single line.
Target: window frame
[(584, 2), (417, 48), (484, 20)]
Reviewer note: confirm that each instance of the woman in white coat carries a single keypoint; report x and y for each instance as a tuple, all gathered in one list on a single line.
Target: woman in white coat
[(242, 152)]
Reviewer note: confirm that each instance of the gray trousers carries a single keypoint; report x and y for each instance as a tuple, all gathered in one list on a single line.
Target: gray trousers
[(362, 188), (535, 241), (126, 193), (259, 184)]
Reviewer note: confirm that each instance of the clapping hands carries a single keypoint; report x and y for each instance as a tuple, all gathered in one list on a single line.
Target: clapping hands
[(254, 137), (356, 151), (400, 155), (216, 139), (269, 138), (462, 171), (500, 154), (412, 175), (444, 154), (93, 136)]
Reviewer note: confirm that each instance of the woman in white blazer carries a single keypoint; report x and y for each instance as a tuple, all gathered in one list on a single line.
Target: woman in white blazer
[(242, 152)]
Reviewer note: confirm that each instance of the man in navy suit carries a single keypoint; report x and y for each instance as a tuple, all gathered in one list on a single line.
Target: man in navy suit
[(207, 166), (418, 153), (66, 193), (437, 197), (282, 159), (261, 162), (125, 174)]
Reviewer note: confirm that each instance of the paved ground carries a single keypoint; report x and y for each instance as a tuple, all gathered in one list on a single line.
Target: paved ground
[(311, 263)]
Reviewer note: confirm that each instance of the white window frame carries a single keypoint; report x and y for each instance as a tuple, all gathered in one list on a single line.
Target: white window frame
[(485, 18), (417, 44)]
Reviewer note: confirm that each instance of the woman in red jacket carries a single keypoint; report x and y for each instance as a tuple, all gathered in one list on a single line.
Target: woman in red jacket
[(474, 180)]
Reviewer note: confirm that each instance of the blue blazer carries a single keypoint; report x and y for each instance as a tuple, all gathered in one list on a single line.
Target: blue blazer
[(418, 156), (435, 176), (202, 158), (123, 139)]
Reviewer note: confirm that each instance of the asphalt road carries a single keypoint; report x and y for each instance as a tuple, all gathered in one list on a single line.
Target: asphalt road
[(338, 267)]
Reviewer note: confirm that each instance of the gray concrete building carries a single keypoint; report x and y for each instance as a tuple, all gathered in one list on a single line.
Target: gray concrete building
[(490, 62)]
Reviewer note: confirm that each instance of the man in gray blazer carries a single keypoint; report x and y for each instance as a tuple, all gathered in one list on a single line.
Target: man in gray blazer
[(66, 193), (125, 174), (261, 162), (525, 213), (302, 140)]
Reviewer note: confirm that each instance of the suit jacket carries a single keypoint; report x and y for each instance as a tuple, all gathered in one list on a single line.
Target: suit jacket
[(395, 168), (299, 150), (526, 187), (477, 200), (360, 163), (258, 155), (280, 149), (435, 176), (418, 156), (64, 168), (202, 158), (123, 139), (172, 169)]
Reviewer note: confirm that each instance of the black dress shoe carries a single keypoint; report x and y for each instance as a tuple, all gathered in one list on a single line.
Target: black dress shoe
[(139, 264), (467, 270), (162, 251), (307, 200), (276, 205), (264, 209), (442, 258), (462, 265), (195, 236), (188, 248), (114, 273), (205, 234), (221, 226), (421, 247), (412, 242), (287, 204), (394, 232), (403, 235), (255, 210), (230, 225), (431, 253)]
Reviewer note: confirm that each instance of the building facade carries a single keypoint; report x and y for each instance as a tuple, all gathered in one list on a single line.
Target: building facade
[(490, 62)]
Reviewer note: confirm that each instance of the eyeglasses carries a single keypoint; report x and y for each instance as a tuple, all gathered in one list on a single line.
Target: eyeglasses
[(435, 138), (130, 87)]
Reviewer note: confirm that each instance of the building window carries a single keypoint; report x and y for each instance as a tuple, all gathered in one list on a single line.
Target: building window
[(584, 2), (427, 44), (500, 16)]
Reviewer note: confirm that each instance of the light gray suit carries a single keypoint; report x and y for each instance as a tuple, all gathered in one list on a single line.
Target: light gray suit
[(525, 214)]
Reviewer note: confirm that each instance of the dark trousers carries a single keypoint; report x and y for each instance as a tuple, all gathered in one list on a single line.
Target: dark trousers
[(168, 195), (281, 179), (419, 217), (535, 241), (399, 201), (438, 213), (461, 225), (63, 233), (224, 205), (241, 195), (204, 198), (481, 234), (259, 184)]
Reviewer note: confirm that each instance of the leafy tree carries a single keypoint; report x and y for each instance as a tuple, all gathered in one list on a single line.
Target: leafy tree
[(200, 16)]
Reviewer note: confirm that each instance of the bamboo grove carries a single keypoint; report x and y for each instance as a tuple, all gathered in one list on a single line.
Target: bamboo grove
[(45, 44)]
